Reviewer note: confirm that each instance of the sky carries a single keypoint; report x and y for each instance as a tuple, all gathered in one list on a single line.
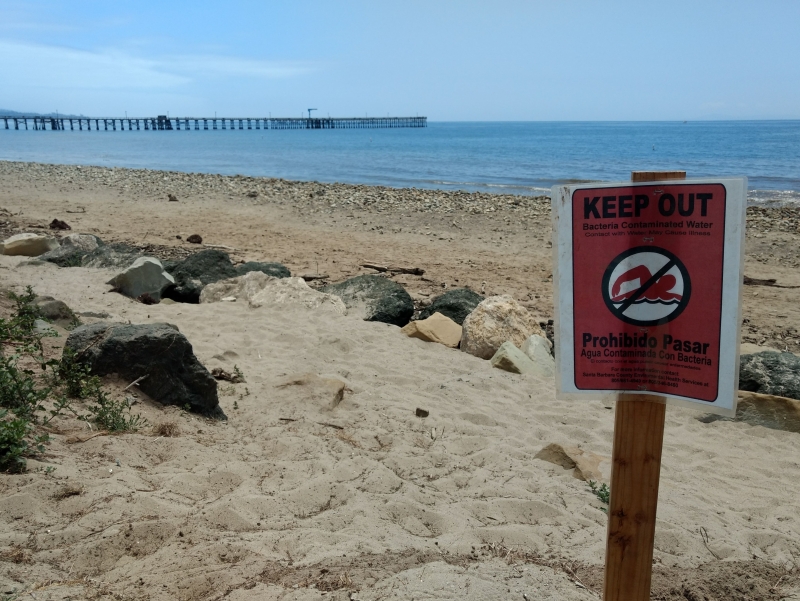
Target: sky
[(493, 60)]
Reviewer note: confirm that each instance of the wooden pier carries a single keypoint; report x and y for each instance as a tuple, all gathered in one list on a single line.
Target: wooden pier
[(164, 123)]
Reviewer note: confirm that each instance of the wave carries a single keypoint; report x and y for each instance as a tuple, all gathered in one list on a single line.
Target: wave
[(639, 301)]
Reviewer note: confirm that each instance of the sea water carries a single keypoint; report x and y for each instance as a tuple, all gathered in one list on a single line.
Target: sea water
[(508, 157)]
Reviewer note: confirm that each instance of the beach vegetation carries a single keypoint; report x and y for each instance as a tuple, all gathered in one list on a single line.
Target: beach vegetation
[(602, 492), (34, 390)]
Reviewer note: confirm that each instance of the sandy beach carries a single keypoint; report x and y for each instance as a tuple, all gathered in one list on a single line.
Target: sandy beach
[(291, 500)]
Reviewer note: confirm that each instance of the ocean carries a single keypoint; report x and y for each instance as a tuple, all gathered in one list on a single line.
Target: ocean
[(505, 157)]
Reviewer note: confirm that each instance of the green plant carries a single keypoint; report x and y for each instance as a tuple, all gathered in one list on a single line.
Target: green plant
[(602, 492), (114, 416), (238, 376), (16, 441)]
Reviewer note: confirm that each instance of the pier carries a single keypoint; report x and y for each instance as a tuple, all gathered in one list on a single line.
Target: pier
[(164, 123)]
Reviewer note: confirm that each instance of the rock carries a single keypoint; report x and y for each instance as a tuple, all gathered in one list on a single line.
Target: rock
[(145, 277), (195, 239), (374, 298), (539, 351), (770, 372), (56, 311), (326, 393), (436, 328), (509, 358), (587, 466), (159, 351), (57, 224), (276, 270), (73, 249), (422, 412), (259, 289), (769, 411), (28, 245), (41, 327), (252, 194), (116, 255), (494, 321), (197, 271), (172, 198), (455, 304)]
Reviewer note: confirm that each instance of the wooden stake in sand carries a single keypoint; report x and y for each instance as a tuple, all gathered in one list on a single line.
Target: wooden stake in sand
[(635, 474), (648, 296)]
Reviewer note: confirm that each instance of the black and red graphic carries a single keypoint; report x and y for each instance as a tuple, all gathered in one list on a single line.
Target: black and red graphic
[(646, 286)]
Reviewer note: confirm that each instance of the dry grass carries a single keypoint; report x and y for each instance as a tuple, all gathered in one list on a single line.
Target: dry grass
[(167, 429), (71, 490), (16, 554)]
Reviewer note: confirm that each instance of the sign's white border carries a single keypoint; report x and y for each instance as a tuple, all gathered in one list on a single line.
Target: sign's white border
[(735, 219)]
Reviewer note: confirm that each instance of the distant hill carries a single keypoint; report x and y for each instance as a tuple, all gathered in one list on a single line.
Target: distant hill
[(7, 113)]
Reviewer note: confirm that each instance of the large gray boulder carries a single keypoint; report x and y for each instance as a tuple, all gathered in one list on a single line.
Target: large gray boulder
[(145, 276), (276, 270), (116, 254), (196, 271), (374, 298), (158, 351), (770, 372), (455, 304), (72, 250)]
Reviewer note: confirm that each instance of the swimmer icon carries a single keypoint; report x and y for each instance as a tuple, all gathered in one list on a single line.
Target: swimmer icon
[(646, 286)]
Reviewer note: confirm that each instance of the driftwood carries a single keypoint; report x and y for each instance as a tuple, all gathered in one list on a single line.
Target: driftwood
[(219, 246), (75, 439), (393, 268), (748, 281)]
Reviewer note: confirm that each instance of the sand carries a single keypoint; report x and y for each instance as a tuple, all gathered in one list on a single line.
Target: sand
[(290, 499)]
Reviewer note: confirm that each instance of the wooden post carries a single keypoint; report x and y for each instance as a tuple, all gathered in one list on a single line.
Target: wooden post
[(635, 472)]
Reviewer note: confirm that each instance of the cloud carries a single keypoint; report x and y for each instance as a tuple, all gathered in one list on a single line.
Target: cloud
[(60, 68)]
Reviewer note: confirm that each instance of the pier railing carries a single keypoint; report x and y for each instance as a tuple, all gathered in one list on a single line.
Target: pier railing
[(164, 123)]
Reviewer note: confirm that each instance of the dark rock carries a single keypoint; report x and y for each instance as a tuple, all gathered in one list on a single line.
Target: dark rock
[(56, 311), (195, 272), (172, 198), (375, 299), (57, 224), (455, 304), (72, 251), (770, 372), (276, 270), (195, 239), (422, 412), (112, 255), (159, 351), (252, 194)]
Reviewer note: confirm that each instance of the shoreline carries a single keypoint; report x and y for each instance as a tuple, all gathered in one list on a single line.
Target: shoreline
[(767, 197)]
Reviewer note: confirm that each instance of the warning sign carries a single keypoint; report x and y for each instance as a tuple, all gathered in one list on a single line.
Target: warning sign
[(648, 285)]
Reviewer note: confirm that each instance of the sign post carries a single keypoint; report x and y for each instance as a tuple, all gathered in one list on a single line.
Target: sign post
[(648, 297)]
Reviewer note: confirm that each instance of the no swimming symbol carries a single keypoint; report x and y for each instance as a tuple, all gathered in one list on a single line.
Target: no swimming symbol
[(646, 286)]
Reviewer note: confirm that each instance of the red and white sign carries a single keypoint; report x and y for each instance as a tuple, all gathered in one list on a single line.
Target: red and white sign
[(648, 285)]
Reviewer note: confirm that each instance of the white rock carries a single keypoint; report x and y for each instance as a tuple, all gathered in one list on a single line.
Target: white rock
[(145, 275), (496, 320), (538, 349), (29, 245), (509, 358), (258, 289)]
